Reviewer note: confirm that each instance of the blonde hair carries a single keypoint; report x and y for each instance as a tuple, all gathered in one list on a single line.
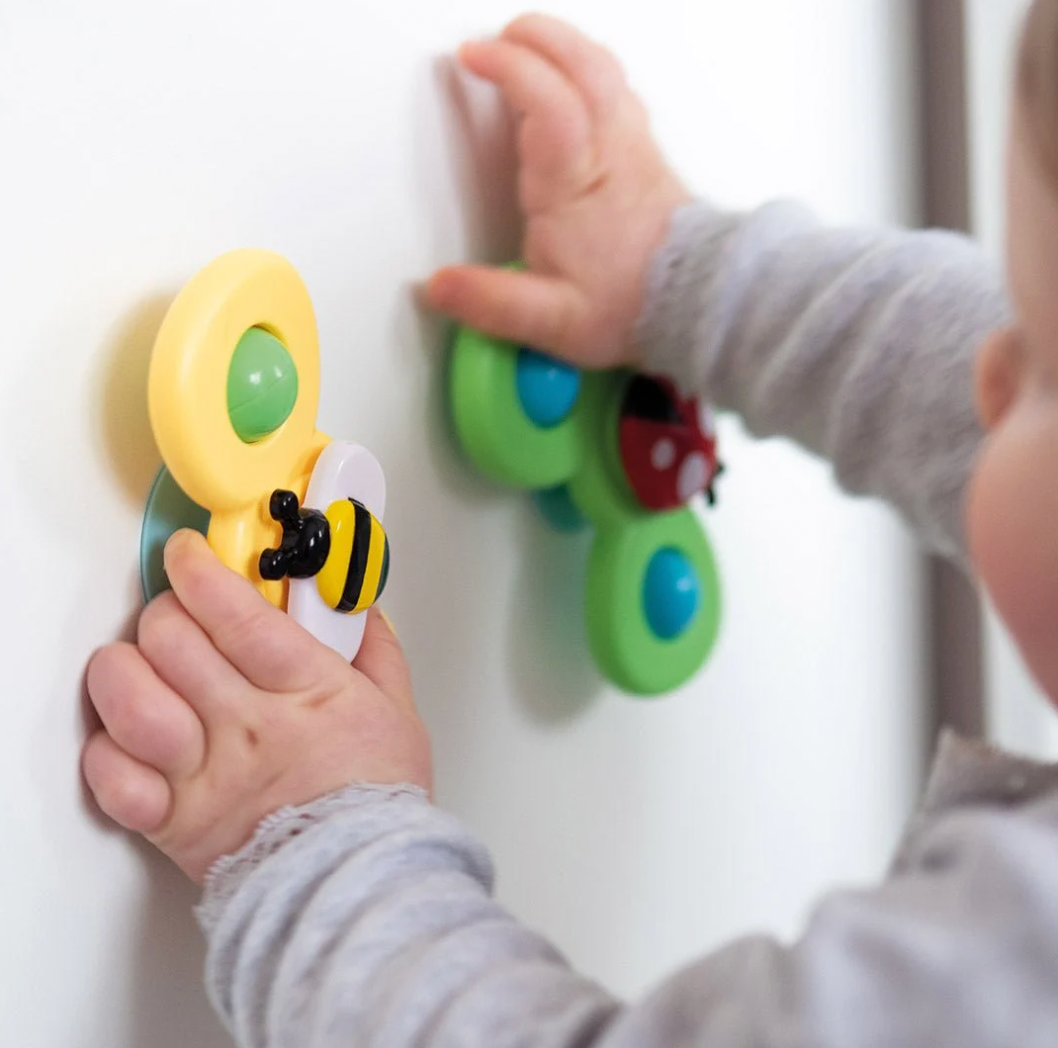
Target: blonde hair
[(1036, 82)]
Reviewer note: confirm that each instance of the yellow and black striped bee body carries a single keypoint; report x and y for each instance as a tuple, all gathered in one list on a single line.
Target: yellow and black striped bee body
[(346, 549), (355, 573)]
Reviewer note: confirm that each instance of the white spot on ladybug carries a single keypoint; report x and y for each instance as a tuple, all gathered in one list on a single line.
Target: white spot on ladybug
[(663, 454), (693, 475)]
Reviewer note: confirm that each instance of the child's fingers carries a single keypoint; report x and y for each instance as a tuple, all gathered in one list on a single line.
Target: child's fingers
[(263, 643), (142, 714), (382, 661), (526, 308), (183, 656), (556, 129), (131, 793), (389, 622), (595, 72)]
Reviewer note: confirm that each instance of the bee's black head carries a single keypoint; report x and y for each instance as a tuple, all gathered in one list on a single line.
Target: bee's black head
[(306, 540)]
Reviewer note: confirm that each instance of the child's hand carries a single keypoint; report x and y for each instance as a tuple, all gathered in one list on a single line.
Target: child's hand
[(596, 194), (225, 710)]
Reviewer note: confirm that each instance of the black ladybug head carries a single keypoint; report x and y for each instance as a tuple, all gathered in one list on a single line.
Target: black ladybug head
[(650, 399)]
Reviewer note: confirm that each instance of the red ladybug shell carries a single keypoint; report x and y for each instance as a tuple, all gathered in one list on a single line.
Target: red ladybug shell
[(667, 444)]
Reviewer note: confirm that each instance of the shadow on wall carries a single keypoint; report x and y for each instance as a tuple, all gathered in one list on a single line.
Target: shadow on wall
[(441, 594), (552, 669), (478, 134), (552, 673), (100, 410), (169, 1005), (104, 410), (124, 423)]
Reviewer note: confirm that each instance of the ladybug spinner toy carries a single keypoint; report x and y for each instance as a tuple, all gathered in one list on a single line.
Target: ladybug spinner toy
[(233, 390), (624, 453), (667, 444)]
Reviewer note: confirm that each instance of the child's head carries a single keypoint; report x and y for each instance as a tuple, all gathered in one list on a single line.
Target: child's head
[(1013, 505)]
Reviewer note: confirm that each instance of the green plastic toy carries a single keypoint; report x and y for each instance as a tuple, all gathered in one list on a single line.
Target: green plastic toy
[(608, 449), (262, 385)]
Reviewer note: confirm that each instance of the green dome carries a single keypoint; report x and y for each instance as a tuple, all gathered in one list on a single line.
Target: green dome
[(262, 385)]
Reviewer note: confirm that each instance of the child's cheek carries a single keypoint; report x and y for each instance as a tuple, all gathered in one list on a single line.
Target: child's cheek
[(1012, 531)]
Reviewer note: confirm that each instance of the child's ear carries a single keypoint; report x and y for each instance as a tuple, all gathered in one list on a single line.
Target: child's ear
[(997, 374)]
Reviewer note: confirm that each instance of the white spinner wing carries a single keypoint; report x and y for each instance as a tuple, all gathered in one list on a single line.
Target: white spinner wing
[(343, 470)]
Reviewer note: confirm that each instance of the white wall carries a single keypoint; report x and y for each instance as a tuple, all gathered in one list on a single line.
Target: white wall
[(1018, 715), (139, 141)]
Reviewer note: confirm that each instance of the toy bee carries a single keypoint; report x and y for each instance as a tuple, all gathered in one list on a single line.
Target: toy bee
[(346, 549)]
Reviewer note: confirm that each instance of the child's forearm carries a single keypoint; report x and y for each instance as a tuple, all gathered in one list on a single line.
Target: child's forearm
[(376, 926), (370, 923), (857, 344)]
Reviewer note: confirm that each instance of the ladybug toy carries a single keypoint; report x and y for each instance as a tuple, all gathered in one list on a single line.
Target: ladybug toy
[(667, 444)]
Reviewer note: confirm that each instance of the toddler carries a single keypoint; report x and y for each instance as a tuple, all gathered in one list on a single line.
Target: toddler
[(342, 908)]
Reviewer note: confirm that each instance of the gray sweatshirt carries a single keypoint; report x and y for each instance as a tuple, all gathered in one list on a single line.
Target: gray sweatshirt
[(366, 918)]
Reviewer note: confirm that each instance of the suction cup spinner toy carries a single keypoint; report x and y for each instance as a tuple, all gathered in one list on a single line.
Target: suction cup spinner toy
[(233, 392), (623, 453)]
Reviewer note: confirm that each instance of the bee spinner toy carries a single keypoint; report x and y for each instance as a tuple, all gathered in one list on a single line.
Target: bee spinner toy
[(624, 453), (233, 391)]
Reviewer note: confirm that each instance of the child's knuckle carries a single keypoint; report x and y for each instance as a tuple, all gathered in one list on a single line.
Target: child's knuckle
[(250, 627), (103, 667), (120, 797), (153, 627)]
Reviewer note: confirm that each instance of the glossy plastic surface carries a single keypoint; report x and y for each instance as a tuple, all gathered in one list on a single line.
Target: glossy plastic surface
[(188, 401), (499, 437), (565, 447), (557, 507), (547, 388), (671, 592), (621, 637), (344, 470), (306, 540), (667, 444), (233, 391), (168, 509), (262, 385)]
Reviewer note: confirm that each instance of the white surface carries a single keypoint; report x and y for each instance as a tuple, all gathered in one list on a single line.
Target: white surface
[(343, 470), (142, 139), (1019, 717)]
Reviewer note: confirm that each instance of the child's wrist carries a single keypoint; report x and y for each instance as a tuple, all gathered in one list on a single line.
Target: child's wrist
[(279, 828)]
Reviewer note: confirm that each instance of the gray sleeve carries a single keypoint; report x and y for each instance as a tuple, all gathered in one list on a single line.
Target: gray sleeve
[(370, 922), (859, 345)]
